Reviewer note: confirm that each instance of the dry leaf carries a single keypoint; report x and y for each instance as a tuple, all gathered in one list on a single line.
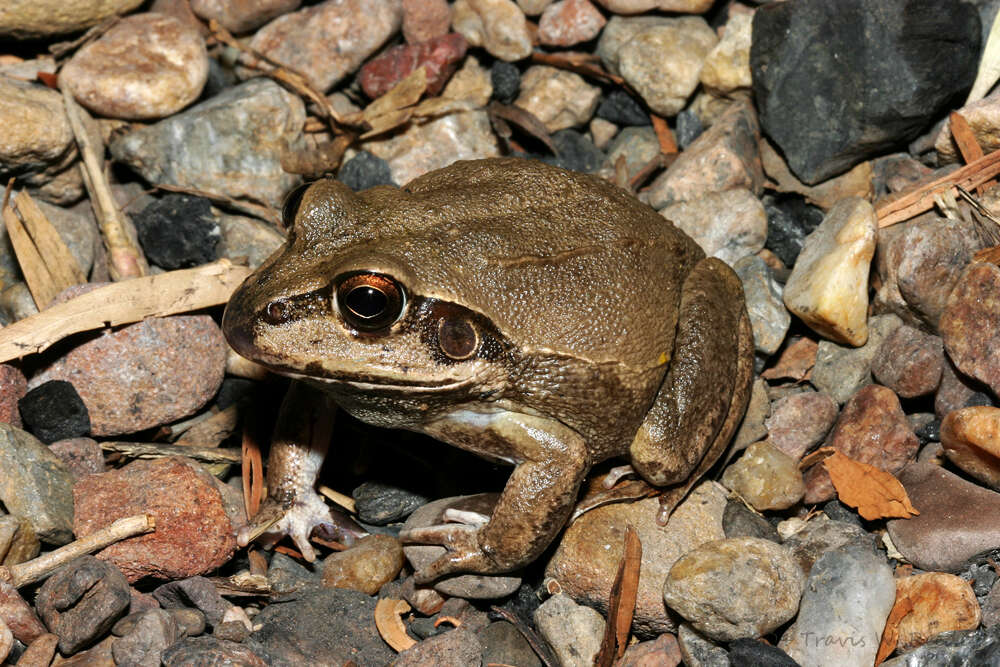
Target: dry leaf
[(890, 635), (621, 605), (390, 625), (796, 361), (523, 119), (876, 493)]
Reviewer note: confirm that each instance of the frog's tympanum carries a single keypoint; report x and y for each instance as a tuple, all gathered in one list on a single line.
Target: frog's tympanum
[(526, 313)]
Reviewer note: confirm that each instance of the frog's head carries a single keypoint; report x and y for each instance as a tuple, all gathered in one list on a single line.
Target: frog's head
[(339, 304)]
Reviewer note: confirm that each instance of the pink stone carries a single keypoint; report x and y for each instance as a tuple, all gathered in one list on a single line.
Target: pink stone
[(440, 57), (424, 20), (569, 22)]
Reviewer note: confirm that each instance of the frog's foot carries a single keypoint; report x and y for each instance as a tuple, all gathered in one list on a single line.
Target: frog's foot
[(464, 554), (296, 520)]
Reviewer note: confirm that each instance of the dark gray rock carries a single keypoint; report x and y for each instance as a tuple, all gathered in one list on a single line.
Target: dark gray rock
[(54, 411), (575, 151), (379, 504), (506, 80), (364, 171), (871, 73), (621, 109), (455, 648), (210, 651), (287, 575), (36, 485), (698, 651), (197, 592), (323, 627), (688, 128), (958, 648), (789, 221), (150, 633), (758, 654), (504, 644), (738, 520), (178, 231)]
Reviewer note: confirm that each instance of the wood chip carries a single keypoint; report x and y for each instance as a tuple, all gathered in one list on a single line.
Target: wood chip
[(389, 624), (526, 120), (59, 261), (123, 303), (874, 492), (36, 274)]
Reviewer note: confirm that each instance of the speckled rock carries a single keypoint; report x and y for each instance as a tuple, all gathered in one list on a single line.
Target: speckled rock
[(941, 603), (573, 631), (828, 288), (970, 324), (569, 22), (247, 237), (586, 560), (727, 65), (841, 371), (729, 225), (230, 144), (909, 362), (660, 652), (36, 131), (971, 440), (638, 145), (799, 422), (368, 565), (454, 648), (146, 66), (425, 19), (722, 158), (81, 456), (420, 148), (469, 586), (439, 57), (36, 485), (920, 263), (146, 374), (328, 41), (765, 477), (558, 98), (639, 6), (820, 535), (41, 18), (871, 428), (240, 16), (13, 387), (193, 532), (662, 63), (618, 31), (846, 601), (768, 316), (733, 588), (957, 519), (499, 26)]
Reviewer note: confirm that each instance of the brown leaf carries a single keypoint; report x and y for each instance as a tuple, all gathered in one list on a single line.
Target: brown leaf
[(668, 145), (621, 605), (876, 493), (890, 635), (390, 625), (523, 119), (796, 361)]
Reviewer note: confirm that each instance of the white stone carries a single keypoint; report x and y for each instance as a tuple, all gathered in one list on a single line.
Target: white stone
[(499, 26), (729, 225), (727, 66), (558, 98)]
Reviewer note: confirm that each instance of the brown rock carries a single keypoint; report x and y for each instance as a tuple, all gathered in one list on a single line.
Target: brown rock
[(328, 41), (424, 20), (800, 421), (558, 98), (957, 520), (193, 532), (957, 390), (723, 158), (146, 66), (909, 362), (639, 6), (765, 477), (941, 603), (18, 542), (36, 131), (180, 10), (13, 387), (569, 22), (241, 16), (970, 324), (873, 429), (81, 456), (971, 440), (41, 18), (920, 263), (586, 561), (146, 374), (454, 648), (35, 485), (18, 615), (439, 57), (660, 652), (983, 117), (368, 565)]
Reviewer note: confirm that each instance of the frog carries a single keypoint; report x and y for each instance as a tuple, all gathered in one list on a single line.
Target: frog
[(535, 316)]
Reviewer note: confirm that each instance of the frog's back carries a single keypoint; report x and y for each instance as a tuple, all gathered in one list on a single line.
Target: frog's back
[(570, 262)]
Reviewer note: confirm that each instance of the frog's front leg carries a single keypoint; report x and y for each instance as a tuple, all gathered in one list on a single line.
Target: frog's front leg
[(298, 447), (552, 461)]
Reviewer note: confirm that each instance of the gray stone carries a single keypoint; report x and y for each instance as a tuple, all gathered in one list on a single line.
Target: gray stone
[(768, 316), (800, 421), (698, 651), (454, 648), (247, 237), (958, 648), (36, 485), (729, 225), (847, 599), (638, 145), (230, 144), (840, 370), (503, 644), (820, 535), (573, 631)]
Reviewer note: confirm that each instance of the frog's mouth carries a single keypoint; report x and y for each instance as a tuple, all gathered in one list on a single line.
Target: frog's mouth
[(379, 384)]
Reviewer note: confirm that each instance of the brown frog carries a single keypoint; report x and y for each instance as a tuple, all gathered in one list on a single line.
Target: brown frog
[(529, 314)]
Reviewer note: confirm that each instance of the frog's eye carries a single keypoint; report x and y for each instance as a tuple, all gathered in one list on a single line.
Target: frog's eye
[(370, 301), (291, 206)]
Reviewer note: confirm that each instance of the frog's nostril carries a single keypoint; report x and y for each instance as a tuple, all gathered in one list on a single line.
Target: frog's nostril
[(278, 311)]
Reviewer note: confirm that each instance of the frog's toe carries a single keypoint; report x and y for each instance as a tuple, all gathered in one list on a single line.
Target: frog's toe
[(274, 522), (464, 553)]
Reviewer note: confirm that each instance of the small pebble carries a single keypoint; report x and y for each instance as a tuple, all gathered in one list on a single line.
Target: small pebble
[(146, 66), (768, 316), (819, 535), (569, 22), (13, 387), (602, 132), (499, 26), (81, 456), (637, 145), (241, 17), (940, 603), (178, 231), (194, 650), (971, 440), (789, 221), (143, 645), (842, 370), (970, 324), (727, 65), (572, 630), (57, 17), (36, 485), (196, 592), (380, 504), (506, 79), (698, 651), (799, 422), (424, 20), (364, 171), (367, 566), (969, 647), (741, 521), (663, 651), (729, 225), (909, 362), (18, 544), (621, 108), (503, 644), (758, 653), (439, 57), (53, 411), (765, 477), (454, 648), (557, 97)]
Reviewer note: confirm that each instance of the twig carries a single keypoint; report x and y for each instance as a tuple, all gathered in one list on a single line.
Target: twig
[(123, 303), (344, 501), (125, 259), (41, 567), (921, 198), (147, 450)]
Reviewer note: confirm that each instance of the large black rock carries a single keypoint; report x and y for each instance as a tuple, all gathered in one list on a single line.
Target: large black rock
[(838, 82)]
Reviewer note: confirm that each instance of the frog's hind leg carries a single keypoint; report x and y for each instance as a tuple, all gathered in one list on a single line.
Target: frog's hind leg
[(706, 390)]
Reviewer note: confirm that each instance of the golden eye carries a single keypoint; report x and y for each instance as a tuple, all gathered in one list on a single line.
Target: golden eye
[(370, 301), (457, 338)]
